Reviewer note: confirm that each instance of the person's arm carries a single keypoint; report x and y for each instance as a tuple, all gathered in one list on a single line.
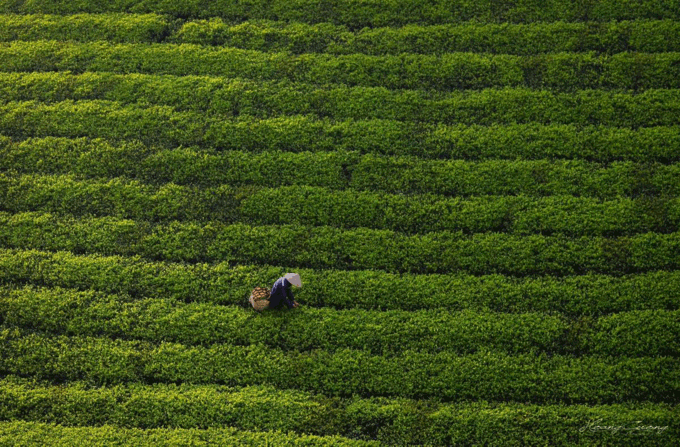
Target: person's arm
[(290, 299)]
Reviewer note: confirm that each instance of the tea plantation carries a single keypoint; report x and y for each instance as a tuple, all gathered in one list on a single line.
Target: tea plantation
[(482, 199)]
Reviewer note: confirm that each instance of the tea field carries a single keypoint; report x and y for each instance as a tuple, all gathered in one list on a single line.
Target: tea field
[(482, 200)]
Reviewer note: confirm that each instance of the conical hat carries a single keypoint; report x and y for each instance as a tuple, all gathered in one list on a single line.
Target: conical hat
[(294, 279)]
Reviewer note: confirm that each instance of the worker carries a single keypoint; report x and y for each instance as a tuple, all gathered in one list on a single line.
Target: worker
[(282, 293)]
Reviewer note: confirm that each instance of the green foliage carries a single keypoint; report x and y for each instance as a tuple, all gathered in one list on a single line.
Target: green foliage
[(224, 284), (120, 197), (339, 170), (66, 311), (314, 206), (484, 375), (327, 247), (270, 99), (34, 434), (130, 28), (653, 332), (648, 36), (481, 199), (449, 71), (360, 14), (478, 37), (265, 408), (162, 126)]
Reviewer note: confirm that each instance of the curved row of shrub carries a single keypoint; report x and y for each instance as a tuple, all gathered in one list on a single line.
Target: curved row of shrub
[(117, 27), (536, 378), (391, 421), (450, 71), (358, 14), (574, 296), (314, 206), (23, 434), (408, 174), (89, 313), (327, 247), (269, 99), (68, 312), (98, 158), (648, 36), (417, 214), (336, 170), (165, 127), (520, 39)]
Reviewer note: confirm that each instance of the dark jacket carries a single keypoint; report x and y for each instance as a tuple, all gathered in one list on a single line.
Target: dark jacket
[(281, 293)]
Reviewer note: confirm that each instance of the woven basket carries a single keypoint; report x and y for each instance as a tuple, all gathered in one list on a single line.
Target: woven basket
[(259, 298)]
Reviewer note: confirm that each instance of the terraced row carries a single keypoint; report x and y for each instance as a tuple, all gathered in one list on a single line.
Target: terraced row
[(358, 14), (649, 36), (265, 408), (69, 312), (484, 375), (450, 71), (165, 127), (314, 206), (326, 247), (573, 296), (269, 99), (23, 434), (336, 170)]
